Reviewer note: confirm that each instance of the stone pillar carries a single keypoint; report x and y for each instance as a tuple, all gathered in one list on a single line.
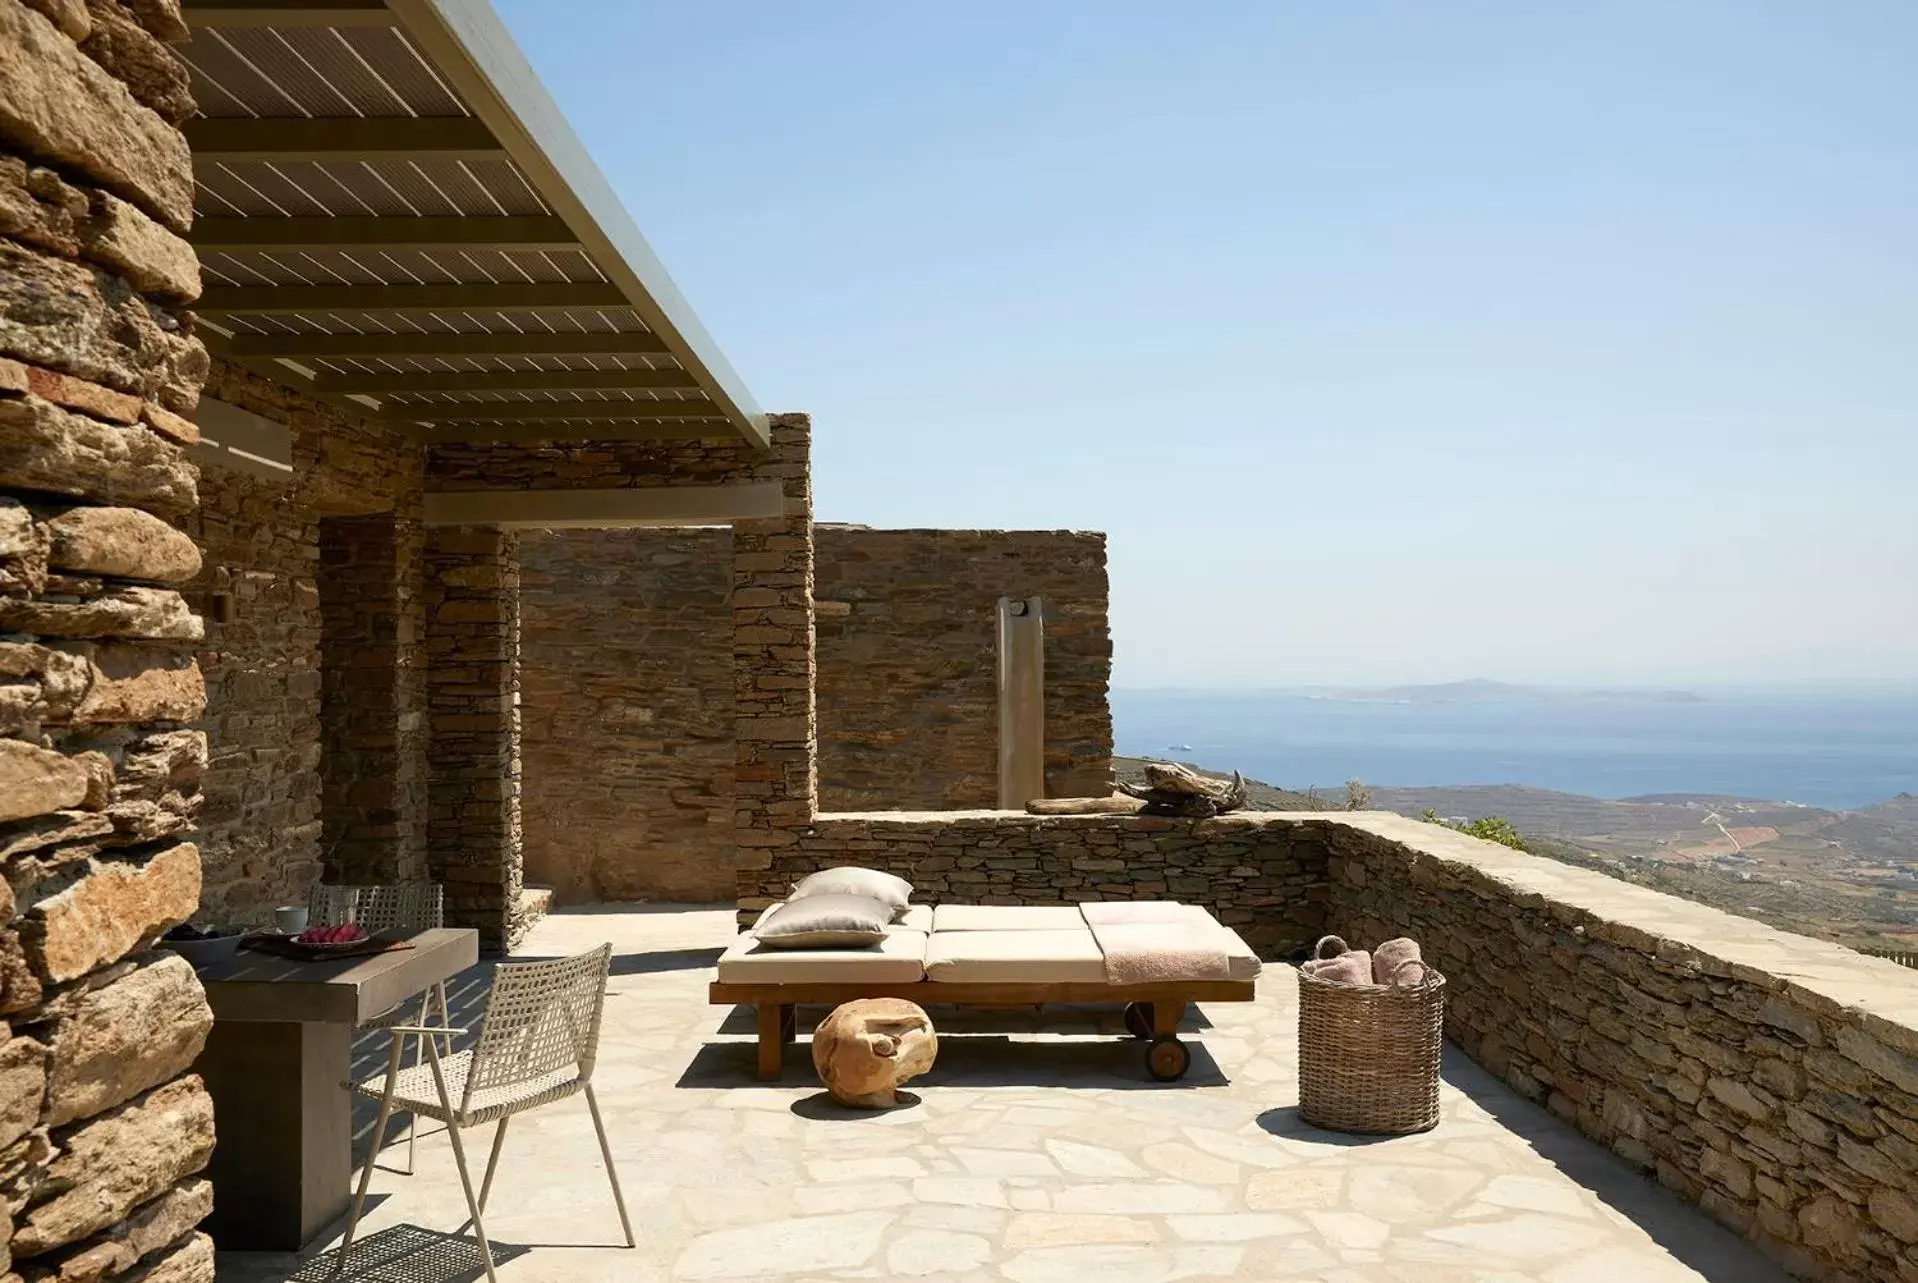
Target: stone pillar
[(101, 1127), (1022, 701), (472, 652), (373, 798), (775, 745)]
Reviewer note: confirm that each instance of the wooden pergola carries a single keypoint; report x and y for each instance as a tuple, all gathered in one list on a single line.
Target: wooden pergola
[(393, 215)]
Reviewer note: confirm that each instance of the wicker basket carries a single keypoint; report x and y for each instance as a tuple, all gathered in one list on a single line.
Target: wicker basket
[(1369, 1054)]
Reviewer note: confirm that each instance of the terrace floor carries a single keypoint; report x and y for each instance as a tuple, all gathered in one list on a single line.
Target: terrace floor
[(1053, 1158)]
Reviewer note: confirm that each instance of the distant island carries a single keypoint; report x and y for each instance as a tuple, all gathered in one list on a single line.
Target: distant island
[(1479, 690)]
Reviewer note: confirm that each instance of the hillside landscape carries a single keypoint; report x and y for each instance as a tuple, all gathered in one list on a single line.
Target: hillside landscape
[(1849, 876)]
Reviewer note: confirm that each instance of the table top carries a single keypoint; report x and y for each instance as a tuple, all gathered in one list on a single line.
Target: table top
[(261, 986)]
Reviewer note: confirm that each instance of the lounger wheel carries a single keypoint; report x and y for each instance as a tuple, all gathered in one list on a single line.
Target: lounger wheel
[(1138, 1019), (1168, 1058)]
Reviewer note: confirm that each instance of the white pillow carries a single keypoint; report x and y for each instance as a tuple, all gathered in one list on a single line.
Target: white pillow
[(893, 891), (835, 921)]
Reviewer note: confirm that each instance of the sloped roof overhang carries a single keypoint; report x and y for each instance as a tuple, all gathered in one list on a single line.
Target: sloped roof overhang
[(392, 213)]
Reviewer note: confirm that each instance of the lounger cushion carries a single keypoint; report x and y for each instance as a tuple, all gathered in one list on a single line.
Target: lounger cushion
[(1006, 917), (1015, 957), (899, 958), (872, 883), (825, 921), (1116, 913)]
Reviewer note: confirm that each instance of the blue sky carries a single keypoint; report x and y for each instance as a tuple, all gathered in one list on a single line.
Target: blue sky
[(1389, 341)]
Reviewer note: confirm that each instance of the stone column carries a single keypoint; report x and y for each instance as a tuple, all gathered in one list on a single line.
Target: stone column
[(776, 750), (373, 768), (101, 759), (472, 651)]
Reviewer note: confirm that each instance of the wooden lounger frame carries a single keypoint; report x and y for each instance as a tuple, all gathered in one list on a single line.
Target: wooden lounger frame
[(1166, 1057)]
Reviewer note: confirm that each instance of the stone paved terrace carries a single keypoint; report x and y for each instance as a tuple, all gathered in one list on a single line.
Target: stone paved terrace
[(1049, 1159)]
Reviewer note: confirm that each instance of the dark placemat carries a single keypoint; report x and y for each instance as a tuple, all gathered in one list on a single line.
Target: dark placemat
[(288, 947)]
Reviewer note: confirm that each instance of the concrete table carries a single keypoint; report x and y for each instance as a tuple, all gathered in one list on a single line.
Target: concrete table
[(280, 1049)]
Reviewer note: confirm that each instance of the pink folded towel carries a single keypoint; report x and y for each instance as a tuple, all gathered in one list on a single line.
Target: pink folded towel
[(1389, 957), (1353, 967)]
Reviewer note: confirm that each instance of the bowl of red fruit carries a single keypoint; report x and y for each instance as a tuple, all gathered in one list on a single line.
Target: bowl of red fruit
[(203, 946), (333, 939)]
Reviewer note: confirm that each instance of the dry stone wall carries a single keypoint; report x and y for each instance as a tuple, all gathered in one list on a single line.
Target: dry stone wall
[(627, 689), (102, 1129), (1770, 1078), (908, 663), (627, 713), (1264, 875)]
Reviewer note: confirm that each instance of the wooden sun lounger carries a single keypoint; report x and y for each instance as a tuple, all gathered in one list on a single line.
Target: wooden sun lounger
[(1019, 951), (1152, 1011)]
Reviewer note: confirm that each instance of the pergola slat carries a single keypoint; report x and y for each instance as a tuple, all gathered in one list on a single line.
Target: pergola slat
[(612, 343), (287, 300), (253, 13), (339, 138), (510, 381), (549, 411), (292, 235)]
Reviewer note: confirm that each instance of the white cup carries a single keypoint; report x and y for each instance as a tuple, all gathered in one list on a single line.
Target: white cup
[(290, 919)]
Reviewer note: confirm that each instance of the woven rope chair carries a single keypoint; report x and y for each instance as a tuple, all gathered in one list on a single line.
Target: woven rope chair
[(407, 906), (537, 1042)]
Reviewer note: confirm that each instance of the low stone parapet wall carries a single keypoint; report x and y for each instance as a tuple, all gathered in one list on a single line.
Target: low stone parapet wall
[(1768, 1077), (1262, 874)]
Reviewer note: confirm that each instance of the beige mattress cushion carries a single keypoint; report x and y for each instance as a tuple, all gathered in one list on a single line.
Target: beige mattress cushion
[(1006, 917), (897, 959), (1117, 913), (1015, 957), (1244, 963)]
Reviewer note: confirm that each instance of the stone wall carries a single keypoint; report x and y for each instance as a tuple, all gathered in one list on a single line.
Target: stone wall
[(627, 713), (1265, 875), (1768, 1077), (317, 714), (102, 1131), (260, 828), (628, 689), (472, 646), (908, 663)]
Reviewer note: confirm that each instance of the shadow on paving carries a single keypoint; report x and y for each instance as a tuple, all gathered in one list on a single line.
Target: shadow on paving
[(1716, 1253), (976, 1060), (407, 1254)]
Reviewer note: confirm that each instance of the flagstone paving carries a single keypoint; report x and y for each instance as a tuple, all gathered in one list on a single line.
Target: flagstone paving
[(1038, 1151)]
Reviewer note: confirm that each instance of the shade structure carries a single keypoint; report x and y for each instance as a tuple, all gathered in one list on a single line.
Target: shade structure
[(392, 213)]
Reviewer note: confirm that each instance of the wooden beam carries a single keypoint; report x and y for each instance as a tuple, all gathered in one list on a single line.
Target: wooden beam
[(547, 411), (510, 381), (255, 13), (577, 433), (339, 138), (401, 345), (292, 235), (645, 506), (521, 296)]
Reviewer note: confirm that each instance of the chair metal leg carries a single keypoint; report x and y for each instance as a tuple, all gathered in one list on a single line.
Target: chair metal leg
[(419, 1056), (492, 1161), (372, 1156), (459, 1156), (606, 1153)]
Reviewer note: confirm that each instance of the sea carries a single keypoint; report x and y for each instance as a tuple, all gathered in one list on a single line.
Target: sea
[(1840, 751)]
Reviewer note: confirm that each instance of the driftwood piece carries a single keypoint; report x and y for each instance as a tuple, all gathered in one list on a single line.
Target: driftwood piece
[(1172, 789), (1117, 804)]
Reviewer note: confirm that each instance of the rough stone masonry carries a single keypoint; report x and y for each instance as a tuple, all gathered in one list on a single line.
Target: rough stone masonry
[(102, 1130)]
